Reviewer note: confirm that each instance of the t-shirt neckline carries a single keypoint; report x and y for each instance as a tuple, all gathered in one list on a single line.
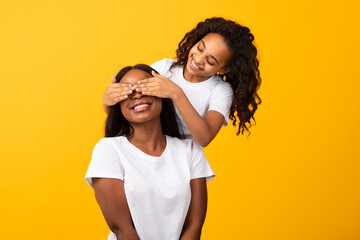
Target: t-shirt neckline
[(145, 155), (180, 72)]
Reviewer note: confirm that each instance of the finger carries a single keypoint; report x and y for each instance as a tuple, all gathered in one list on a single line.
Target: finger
[(149, 93), (151, 84), (113, 90), (113, 79), (146, 89), (119, 91), (119, 94), (117, 85), (119, 99), (147, 80)]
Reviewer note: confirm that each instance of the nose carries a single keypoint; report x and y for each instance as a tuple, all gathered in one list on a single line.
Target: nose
[(136, 95)]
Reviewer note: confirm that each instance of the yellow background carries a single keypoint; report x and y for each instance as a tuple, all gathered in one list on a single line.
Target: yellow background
[(296, 177)]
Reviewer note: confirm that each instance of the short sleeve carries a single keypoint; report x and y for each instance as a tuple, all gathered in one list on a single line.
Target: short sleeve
[(221, 100), (105, 162), (162, 66), (199, 166)]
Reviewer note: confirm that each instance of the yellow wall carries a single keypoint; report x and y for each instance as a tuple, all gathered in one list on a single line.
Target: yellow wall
[(296, 177)]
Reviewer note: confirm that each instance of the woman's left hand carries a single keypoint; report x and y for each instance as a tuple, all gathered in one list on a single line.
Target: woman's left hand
[(158, 86)]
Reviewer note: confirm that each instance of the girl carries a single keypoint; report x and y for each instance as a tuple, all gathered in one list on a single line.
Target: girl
[(215, 75), (149, 183)]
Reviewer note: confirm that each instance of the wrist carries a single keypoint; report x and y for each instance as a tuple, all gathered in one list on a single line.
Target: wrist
[(106, 108), (177, 94)]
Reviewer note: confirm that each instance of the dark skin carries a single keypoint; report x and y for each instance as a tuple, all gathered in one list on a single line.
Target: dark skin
[(149, 138), (206, 58), (111, 198), (197, 210)]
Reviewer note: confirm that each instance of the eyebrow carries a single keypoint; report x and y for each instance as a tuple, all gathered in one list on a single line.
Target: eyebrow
[(202, 41)]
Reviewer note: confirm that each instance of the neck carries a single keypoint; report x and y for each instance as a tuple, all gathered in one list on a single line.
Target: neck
[(148, 137), (192, 78)]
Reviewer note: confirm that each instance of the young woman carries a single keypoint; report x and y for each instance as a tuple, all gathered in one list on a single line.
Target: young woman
[(149, 183), (215, 76)]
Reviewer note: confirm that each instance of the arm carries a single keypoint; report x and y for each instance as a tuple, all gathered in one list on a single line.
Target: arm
[(197, 210), (202, 129), (111, 198)]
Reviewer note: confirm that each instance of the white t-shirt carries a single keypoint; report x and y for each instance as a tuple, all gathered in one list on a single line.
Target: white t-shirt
[(157, 188), (211, 94)]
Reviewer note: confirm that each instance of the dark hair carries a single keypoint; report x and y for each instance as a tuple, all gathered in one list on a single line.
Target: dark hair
[(117, 125), (244, 75)]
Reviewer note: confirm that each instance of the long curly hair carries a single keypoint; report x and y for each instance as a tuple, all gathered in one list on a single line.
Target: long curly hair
[(244, 76), (117, 125)]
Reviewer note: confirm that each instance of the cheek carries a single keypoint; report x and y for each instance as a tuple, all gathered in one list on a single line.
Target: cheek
[(124, 110), (211, 70), (192, 50), (158, 106)]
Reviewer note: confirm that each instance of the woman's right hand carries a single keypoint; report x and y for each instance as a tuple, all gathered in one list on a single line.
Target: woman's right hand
[(116, 92)]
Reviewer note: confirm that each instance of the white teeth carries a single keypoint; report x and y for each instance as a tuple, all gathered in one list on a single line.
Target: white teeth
[(141, 105), (192, 63)]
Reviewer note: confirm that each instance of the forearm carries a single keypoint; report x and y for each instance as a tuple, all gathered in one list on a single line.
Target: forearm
[(197, 125), (126, 234), (191, 233)]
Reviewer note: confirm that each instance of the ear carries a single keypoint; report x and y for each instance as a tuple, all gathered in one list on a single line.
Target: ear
[(224, 70)]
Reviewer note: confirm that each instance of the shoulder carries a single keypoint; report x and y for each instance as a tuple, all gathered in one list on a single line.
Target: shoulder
[(165, 61), (107, 144), (222, 87), (107, 150), (162, 64), (215, 83), (221, 83), (107, 141), (105, 161)]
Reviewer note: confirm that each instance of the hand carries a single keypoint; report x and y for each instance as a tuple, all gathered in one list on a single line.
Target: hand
[(116, 92), (158, 86)]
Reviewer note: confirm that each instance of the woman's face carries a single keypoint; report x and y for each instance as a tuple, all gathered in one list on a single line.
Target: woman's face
[(208, 56), (139, 108)]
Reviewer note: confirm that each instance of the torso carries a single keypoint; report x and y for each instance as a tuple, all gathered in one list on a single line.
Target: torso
[(201, 94)]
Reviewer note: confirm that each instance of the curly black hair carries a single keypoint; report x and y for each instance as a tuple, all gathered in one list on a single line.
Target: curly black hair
[(117, 125), (244, 75)]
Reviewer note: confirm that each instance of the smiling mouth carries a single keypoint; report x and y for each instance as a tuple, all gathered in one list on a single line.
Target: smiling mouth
[(193, 65), (141, 107)]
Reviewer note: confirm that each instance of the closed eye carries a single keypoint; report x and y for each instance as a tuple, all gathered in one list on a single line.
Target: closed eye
[(212, 64)]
